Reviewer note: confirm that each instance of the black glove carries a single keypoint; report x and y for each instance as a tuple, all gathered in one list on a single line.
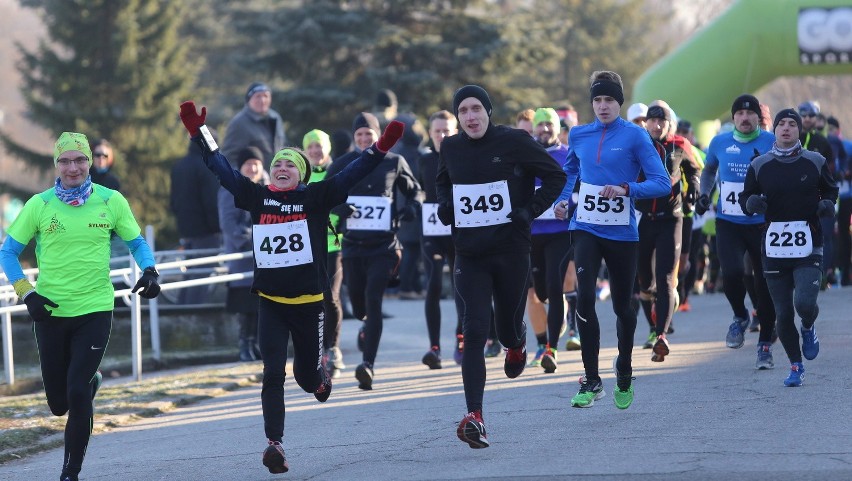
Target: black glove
[(521, 216), (410, 211), (702, 205), (825, 208), (344, 210), (35, 306), (756, 204), (148, 284), (446, 214)]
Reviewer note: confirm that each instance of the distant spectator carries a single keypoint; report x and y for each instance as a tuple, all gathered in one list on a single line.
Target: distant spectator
[(256, 124), (524, 120), (193, 202), (102, 160), (237, 236), (341, 143)]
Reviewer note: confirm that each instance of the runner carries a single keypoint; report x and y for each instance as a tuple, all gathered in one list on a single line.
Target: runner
[(72, 224), (730, 155), (437, 244), (290, 219), (792, 241), (550, 244), (371, 250), (486, 191), (661, 229), (607, 156)]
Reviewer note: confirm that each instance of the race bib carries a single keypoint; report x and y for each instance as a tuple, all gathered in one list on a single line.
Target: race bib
[(729, 193), (594, 209), (432, 226), (282, 245), (788, 240), (373, 213), (478, 205), (548, 213)]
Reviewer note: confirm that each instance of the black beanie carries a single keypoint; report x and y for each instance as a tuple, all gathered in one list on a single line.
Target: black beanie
[(787, 114), (386, 98), (746, 102), (657, 112), (255, 88), (246, 154), (608, 88), (366, 119), (474, 91)]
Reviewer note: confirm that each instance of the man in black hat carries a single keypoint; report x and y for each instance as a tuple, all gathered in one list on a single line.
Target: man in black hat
[(256, 124), (486, 191), (730, 155), (371, 249)]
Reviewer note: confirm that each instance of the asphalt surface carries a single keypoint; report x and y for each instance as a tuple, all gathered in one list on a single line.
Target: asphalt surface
[(703, 414)]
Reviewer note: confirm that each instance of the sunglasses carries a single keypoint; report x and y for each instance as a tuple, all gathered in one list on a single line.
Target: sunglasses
[(807, 114)]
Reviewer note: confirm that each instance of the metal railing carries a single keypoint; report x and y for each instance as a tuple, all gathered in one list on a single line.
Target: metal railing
[(129, 276)]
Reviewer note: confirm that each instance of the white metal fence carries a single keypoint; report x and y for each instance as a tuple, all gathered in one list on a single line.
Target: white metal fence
[(170, 264)]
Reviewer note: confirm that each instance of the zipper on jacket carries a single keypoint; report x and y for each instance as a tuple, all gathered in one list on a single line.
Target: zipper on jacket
[(603, 134)]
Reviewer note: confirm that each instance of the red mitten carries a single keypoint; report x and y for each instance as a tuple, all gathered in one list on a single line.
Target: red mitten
[(192, 121), (392, 133)]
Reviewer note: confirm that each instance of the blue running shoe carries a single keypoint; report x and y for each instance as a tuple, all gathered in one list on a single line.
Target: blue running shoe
[(536, 361), (764, 356), (797, 374), (736, 333), (810, 343)]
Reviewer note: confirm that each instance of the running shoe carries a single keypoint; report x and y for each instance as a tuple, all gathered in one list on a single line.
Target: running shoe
[(324, 390), (810, 343), (573, 343), (516, 360), (755, 322), (364, 375), (764, 356), (590, 391), (548, 360), (362, 337), (622, 395), (274, 459), (335, 359), (797, 375), (68, 477), (661, 349), (536, 361), (684, 307), (472, 430), (652, 339), (736, 333), (433, 358), (493, 348), (458, 354)]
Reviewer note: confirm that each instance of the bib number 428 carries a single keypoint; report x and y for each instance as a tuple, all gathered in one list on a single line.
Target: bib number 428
[(282, 244)]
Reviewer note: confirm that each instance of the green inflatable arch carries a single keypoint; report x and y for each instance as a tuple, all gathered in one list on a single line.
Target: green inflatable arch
[(749, 45)]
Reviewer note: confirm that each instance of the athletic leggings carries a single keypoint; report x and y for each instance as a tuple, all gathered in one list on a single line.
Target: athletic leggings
[(658, 254), (436, 250), (501, 278), (620, 257), (732, 242), (696, 245), (70, 350), (331, 301), (548, 275), (794, 284), (276, 322), (367, 278)]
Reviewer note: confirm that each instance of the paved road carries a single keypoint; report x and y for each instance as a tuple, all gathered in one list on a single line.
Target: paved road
[(704, 414)]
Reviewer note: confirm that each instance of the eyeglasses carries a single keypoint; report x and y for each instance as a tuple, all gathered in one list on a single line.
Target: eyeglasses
[(79, 162)]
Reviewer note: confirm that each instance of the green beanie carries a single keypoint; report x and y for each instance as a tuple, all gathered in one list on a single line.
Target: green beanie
[(72, 141), (547, 114), (318, 136), (293, 155)]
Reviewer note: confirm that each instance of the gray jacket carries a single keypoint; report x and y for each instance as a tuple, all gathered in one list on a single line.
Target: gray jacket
[(250, 128)]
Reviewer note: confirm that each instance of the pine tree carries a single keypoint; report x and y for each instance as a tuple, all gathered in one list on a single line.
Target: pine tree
[(113, 69)]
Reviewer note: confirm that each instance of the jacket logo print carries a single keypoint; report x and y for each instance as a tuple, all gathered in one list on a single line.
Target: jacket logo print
[(496, 159)]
